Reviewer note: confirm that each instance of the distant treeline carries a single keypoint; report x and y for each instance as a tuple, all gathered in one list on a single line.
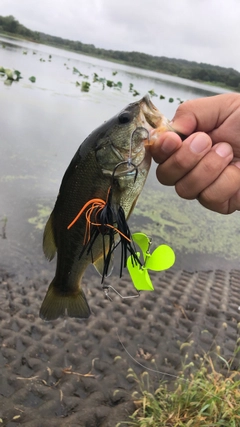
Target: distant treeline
[(178, 67)]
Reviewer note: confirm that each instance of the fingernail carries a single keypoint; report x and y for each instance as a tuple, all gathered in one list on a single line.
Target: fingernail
[(153, 135), (199, 143), (168, 145), (223, 149), (237, 164)]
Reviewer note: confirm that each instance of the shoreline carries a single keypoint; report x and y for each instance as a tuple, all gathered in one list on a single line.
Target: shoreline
[(18, 37)]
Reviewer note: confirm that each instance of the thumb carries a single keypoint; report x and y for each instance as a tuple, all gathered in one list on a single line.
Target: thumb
[(184, 121), (203, 114)]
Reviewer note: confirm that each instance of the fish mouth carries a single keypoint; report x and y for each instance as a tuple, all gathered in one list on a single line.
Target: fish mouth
[(147, 117), (154, 119)]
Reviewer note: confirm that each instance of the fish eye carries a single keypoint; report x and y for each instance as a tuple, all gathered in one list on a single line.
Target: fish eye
[(125, 117)]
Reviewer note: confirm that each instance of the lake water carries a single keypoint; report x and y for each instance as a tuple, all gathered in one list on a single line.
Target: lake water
[(41, 126)]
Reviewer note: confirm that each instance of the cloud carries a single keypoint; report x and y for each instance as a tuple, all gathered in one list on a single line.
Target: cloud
[(198, 30)]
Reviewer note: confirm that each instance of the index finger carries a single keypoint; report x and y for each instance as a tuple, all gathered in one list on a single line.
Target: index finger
[(163, 145)]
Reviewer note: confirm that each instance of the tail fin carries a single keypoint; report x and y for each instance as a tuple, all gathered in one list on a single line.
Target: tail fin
[(56, 304)]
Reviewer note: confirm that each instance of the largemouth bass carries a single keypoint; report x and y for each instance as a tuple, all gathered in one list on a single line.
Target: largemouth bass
[(108, 171)]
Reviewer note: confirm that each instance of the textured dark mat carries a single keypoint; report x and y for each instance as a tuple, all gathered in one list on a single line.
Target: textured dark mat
[(69, 373)]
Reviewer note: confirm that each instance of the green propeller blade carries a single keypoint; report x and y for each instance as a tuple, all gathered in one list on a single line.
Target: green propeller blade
[(142, 241), (139, 276), (162, 258)]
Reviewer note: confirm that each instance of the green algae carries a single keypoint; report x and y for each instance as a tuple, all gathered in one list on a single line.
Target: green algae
[(186, 226), (39, 221)]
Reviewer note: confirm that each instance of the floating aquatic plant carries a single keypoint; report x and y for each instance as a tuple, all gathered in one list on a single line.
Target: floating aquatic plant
[(76, 71), (98, 79), (180, 100), (117, 85), (131, 87), (152, 92), (85, 86), (95, 77), (12, 75), (109, 83), (135, 92)]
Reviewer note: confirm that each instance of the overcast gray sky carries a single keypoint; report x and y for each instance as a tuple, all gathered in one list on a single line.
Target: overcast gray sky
[(198, 30)]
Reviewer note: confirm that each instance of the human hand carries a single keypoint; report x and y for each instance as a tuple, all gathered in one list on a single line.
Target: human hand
[(206, 165)]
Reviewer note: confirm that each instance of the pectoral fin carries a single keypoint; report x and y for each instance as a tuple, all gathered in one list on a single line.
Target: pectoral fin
[(56, 304), (49, 245)]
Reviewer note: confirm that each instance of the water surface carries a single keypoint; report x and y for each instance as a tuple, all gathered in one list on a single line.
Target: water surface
[(41, 126)]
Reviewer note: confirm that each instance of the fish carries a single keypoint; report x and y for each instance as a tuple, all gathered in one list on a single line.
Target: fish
[(98, 193)]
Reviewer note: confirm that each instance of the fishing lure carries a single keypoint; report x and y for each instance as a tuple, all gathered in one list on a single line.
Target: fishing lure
[(102, 218)]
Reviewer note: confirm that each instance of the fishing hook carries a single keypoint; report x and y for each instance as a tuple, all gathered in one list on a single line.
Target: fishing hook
[(106, 291), (128, 163)]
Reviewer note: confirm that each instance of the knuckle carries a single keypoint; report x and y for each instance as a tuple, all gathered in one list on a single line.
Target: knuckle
[(163, 176), (212, 165), (184, 190), (207, 199), (181, 162)]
